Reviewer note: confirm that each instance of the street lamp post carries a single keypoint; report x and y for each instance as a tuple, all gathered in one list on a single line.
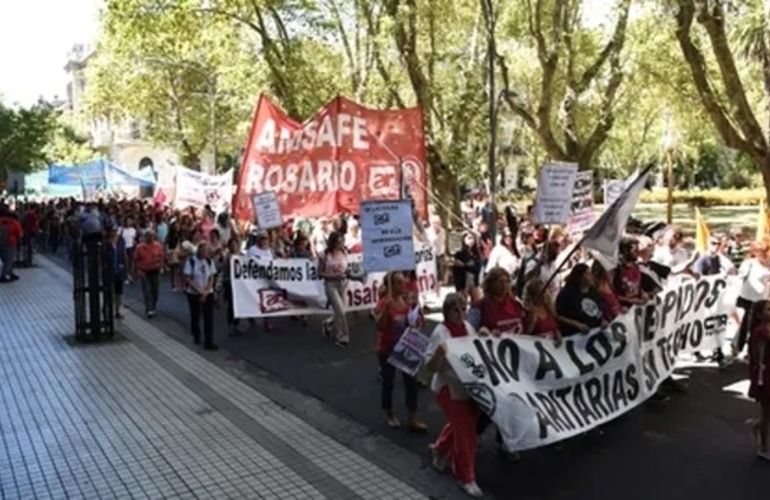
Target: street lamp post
[(669, 145)]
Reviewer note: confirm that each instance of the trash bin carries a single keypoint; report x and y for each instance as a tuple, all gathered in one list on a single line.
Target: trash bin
[(93, 288)]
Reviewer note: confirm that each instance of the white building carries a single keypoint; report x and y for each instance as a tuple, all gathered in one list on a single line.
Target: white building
[(121, 142)]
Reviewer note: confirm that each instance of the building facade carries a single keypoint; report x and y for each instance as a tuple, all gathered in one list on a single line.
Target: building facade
[(121, 142)]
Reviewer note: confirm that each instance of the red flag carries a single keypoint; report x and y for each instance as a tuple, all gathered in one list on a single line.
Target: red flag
[(160, 197), (342, 155)]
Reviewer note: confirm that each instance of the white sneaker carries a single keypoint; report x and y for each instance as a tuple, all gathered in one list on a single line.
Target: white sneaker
[(472, 489), (439, 461)]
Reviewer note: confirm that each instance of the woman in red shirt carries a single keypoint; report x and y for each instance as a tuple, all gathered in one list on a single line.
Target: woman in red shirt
[(759, 373), (391, 315), (610, 304), (541, 320), (500, 312)]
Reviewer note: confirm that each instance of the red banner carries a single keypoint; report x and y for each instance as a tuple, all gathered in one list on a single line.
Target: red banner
[(343, 155)]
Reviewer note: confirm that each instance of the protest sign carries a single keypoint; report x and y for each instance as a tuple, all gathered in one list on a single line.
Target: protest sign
[(332, 161), (538, 393), (583, 215), (386, 235), (267, 213), (612, 190), (197, 189), (553, 203), (289, 287), (409, 352)]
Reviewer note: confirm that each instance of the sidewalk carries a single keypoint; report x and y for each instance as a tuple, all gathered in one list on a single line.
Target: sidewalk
[(147, 417)]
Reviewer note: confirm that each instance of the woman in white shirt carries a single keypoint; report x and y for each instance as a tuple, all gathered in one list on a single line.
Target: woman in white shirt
[(502, 255), (128, 233), (755, 275), (456, 445), (333, 267), (261, 251), (199, 272)]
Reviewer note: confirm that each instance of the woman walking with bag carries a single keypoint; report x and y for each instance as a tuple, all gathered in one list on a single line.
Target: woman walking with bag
[(332, 267), (392, 318)]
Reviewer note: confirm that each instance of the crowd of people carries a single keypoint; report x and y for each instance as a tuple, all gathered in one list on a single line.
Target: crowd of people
[(502, 285)]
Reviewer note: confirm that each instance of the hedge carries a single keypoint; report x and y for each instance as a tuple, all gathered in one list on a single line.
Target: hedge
[(706, 198)]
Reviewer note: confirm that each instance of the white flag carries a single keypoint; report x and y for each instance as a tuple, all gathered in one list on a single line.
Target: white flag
[(604, 236)]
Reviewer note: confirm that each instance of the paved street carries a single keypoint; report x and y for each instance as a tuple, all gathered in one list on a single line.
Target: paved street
[(695, 446), (146, 417)]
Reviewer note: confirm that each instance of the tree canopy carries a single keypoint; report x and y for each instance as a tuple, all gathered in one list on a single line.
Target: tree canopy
[(598, 83)]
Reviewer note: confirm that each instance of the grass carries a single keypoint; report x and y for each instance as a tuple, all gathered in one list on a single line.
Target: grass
[(719, 219)]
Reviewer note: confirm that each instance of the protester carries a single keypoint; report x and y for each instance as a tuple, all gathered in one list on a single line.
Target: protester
[(233, 249), (541, 319), (577, 304), (611, 307), (149, 255), (467, 266), (262, 251), (628, 275), (11, 234), (128, 233), (755, 285), (456, 444), (503, 255), (392, 319), (353, 237), (199, 273), (759, 373), (118, 257), (436, 235), (332, 268)]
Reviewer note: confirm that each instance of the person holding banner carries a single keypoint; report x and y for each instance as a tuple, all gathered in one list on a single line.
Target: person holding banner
[(577, 305), (391, 316), (755, 275), (332, 267), (456, 444), (759, 373), (541, 320)]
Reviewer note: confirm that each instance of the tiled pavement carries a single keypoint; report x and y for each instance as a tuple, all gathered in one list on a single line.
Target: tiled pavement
[(146, 417)]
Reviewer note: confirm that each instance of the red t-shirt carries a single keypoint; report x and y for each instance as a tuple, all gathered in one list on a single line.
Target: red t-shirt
[(393, 325), (149, 257), (412, 293), (628, 281), (545, 326), (456, 330), (506, 316), (610, 305), (13, 228)]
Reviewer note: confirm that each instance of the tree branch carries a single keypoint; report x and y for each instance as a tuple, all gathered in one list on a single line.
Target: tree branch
[(714, 23), (697, 63)]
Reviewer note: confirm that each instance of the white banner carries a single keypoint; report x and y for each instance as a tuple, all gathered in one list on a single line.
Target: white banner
[(386, 234), (538, 394), (553, 202), (583, 215), (267, 212), (291, 287), (196, 189)]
